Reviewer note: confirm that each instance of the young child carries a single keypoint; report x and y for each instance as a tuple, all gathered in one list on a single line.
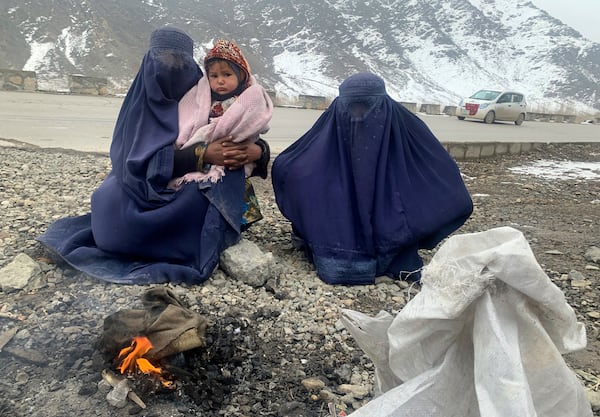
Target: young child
[(227, 101)]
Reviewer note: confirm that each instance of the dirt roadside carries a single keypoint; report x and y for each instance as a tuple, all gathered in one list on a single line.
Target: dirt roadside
[(272, 340)]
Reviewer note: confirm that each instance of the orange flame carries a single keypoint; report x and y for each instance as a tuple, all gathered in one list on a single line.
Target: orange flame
[(132, 358)]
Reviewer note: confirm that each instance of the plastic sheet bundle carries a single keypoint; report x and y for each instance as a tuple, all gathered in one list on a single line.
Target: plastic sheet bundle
[(484, 337)]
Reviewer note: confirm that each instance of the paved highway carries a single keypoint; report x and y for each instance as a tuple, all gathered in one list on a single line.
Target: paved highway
[(85, 123)]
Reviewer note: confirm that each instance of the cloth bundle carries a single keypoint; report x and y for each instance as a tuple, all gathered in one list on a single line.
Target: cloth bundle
[(165, 321)]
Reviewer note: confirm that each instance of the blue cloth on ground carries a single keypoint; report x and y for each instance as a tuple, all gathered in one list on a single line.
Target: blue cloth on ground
[(368, 186), (140, 232)]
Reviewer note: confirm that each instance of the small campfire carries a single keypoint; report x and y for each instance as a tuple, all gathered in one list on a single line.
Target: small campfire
[(131, 361), (166, 350), (137, 372), (140, 344)]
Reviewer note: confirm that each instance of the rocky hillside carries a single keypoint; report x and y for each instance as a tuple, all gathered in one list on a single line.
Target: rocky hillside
[(436, 50)]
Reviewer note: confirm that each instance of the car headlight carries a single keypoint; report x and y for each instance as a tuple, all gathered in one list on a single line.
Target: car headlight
[(483, 106)]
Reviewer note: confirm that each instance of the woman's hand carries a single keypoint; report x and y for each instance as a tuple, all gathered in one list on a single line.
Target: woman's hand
[(230, 154)]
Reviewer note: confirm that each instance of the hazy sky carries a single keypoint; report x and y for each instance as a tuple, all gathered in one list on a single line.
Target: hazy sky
[(582, 15)]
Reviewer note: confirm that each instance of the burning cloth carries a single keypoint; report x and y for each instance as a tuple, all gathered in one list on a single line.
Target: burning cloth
[(165, 321)]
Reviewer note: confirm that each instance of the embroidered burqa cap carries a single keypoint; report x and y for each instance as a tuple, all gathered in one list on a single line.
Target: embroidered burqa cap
[(229, 51), (170, 37), (362, 85)]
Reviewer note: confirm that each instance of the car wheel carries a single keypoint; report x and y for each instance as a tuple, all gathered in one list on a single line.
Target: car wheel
[(520, 119), (489, 118), (460, 117)]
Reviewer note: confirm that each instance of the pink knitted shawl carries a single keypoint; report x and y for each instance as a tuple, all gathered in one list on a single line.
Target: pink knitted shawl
[(245, 119)]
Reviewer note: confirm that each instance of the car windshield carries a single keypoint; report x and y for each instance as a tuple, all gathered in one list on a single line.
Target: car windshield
[(485, 95)]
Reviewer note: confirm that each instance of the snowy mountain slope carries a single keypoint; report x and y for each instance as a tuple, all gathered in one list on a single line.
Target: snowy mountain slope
[(428, 51)]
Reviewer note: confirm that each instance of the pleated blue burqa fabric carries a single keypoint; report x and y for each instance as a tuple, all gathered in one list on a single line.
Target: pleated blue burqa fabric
[(139, 231), (368, 186)]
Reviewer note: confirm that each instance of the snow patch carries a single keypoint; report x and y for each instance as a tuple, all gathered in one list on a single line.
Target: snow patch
[(561, 170), (38, 57), (74, 44), (302, 72)]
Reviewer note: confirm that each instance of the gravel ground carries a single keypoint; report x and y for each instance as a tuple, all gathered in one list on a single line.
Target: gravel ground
[(277, 350)]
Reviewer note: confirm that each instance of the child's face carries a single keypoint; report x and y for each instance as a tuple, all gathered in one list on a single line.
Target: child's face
[(222, 78)]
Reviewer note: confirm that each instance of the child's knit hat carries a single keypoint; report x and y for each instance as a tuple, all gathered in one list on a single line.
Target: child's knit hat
[(229, 51)]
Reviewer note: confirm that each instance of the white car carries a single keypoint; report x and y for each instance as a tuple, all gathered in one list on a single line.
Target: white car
[(492, 105)]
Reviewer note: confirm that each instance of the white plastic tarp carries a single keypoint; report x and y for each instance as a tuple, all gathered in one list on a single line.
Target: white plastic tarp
[(484, 337)]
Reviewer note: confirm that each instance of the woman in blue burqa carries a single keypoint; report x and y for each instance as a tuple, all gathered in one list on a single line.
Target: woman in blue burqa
[(367, 187), (139, 230)]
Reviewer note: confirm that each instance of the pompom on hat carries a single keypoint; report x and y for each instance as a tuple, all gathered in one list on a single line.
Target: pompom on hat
[(170, 37), (228, 51)]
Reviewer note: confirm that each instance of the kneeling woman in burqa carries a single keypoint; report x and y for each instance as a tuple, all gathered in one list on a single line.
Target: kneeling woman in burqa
[(367, 187), (140, 231)]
